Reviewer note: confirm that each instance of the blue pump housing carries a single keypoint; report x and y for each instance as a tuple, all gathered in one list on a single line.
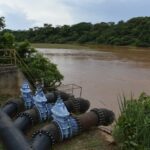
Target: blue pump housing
[(40, 102), (27, 95), (67, 124)]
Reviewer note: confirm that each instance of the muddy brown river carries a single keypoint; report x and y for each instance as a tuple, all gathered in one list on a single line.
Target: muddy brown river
[(104, 74)]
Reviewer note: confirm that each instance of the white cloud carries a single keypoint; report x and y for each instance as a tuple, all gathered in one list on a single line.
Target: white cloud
[(45, 11), (22, 14)]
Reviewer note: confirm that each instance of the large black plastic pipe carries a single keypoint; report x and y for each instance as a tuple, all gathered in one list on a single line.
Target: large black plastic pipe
[(27, 119), (14, 106), (51, 133), (30, 117), (10, 135)]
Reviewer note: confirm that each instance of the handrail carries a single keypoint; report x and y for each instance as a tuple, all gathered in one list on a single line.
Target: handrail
[(14, 57), (25, 66)]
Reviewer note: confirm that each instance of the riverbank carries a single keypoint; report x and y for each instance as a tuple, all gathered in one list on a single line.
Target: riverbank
[(87, 46)]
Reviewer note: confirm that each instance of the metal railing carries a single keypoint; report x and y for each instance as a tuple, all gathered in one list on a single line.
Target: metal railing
[(7, 57), (73, 89)]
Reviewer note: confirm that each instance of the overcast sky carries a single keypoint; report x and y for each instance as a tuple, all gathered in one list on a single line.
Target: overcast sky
[(23, 14)]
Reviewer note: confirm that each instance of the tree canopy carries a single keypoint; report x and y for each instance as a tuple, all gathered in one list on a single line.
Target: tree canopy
[(135, 31), (2, 23)]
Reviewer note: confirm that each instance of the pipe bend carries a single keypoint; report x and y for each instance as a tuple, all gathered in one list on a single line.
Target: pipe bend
[(10, 135)]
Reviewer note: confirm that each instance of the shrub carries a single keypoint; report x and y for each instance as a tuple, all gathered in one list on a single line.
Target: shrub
[(36, 67), (42, 68), (132, 130)]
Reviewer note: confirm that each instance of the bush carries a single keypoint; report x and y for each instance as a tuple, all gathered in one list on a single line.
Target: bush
[(24, 49), (42, 68), (36, 67), (132, 130)]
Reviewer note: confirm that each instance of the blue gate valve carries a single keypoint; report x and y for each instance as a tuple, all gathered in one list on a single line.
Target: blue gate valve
[(27, 95), (67, 124), (40, 102)]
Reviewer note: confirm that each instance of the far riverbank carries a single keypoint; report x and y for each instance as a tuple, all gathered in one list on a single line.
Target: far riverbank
[(87, 46)]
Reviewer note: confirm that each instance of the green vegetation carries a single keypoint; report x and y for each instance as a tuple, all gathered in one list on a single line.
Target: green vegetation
[(132, 130), (135, 32), (42, 69), (33, 65)]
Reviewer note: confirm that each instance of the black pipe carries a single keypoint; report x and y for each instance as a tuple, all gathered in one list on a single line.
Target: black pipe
[(14, 106), (48, 138), (31, 117), (27, 119), (77, 105), (10, 135), (52, 96), (51, 133)]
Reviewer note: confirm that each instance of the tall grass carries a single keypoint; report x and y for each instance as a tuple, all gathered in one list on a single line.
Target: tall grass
[(132, 130)]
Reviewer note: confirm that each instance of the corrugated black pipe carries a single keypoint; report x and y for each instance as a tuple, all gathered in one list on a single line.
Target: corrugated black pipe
[(30, 117), (51, 133), (10, 135)]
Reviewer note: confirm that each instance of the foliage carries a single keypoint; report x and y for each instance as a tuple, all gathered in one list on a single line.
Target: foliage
[(135, 31), (2, 23), (7, 40), (42, 68), (132, 130), (34, 65), (24, 49), (37, 67)]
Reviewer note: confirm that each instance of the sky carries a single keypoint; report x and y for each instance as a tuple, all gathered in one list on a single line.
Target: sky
[(24, 14)]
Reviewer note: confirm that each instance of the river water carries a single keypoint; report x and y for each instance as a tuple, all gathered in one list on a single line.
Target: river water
[(104, 74)]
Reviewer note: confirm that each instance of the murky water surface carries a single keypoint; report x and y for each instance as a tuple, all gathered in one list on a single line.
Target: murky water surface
[(104, 74)]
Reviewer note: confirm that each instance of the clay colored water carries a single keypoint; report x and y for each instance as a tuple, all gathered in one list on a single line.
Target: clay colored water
[(104, 74)]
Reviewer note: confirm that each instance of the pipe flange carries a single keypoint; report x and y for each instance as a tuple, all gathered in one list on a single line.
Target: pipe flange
[(28, 116), (57, 126), (40, 132), (80, 129), (100, 115), (76, 105)]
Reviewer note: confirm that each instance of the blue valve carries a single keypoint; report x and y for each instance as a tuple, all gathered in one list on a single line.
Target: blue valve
[(40, 102), (27, 95), (67, 124)]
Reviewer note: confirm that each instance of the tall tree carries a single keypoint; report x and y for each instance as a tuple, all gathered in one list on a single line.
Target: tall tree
[(2, 23)]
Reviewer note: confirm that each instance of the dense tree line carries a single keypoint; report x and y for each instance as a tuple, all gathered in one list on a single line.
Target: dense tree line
[(135, 31)]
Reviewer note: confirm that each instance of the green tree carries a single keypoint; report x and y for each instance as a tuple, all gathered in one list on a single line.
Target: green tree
[(2, 23), (42, 68), (24, 49), (8, 40)]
